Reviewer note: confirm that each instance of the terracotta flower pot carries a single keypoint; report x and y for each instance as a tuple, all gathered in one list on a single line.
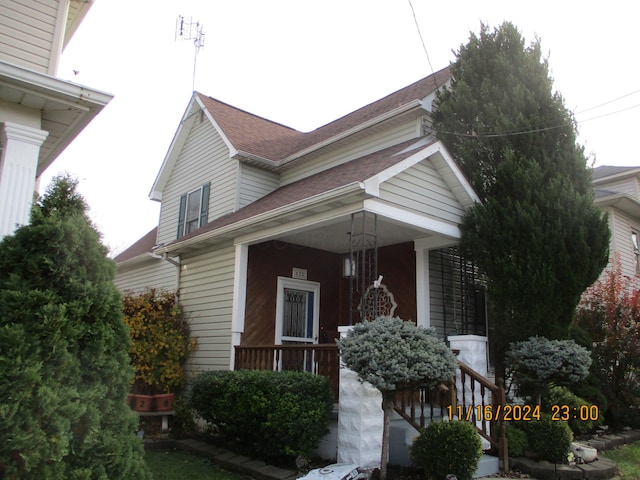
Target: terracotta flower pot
[(164, 402), (142, 403)]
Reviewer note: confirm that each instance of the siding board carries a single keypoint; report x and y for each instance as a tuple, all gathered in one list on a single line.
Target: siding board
[(204, 157), (337, 156), (208, 302), (255, 184), (420, 188), (155, 274), (27, 33)]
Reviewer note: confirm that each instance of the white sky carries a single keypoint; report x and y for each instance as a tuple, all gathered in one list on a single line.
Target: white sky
[(305, 63)]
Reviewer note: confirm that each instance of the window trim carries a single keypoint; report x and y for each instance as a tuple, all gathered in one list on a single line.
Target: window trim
[(203, 209), (635, 247)]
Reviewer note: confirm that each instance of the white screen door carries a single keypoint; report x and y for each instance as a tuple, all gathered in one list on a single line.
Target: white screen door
[(297, 311)]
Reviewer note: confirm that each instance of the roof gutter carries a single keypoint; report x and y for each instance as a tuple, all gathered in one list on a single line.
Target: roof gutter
[(47, 86), (226, 229)]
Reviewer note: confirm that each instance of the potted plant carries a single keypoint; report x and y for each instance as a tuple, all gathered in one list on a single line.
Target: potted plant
[(160, 346)]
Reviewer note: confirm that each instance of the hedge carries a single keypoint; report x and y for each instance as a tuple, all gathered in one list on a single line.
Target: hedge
[(263, 413)]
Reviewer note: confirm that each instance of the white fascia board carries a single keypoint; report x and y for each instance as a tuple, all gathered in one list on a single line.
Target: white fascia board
[(372, 185), (412, 218), (257, 158), (173, 152), (238, 226), (73, 22), (75, 96), (462, 180), (225, 139)]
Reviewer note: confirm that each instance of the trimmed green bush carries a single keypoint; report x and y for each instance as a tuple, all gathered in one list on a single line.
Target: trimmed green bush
[(549, 439), (448, 447), (517, 440), (263, 413), (560, 396)]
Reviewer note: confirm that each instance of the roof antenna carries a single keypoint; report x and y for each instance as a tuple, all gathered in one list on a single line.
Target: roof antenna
[(190, 30)]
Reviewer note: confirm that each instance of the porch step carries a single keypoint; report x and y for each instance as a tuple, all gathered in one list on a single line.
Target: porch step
[(488, 465), (401, 437)]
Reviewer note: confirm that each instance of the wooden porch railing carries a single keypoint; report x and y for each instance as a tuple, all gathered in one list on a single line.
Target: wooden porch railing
[(320, 359), (479, 402)]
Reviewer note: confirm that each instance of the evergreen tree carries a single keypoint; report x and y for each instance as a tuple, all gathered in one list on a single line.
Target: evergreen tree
[(537, 234), (64, 365)]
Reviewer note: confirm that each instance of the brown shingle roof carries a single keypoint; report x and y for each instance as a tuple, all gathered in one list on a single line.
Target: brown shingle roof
[(270, 140), (342, 175), (250, 133), (142, 246)]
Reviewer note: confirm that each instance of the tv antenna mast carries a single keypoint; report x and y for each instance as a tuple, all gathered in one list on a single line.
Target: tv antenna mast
[(190, 30)]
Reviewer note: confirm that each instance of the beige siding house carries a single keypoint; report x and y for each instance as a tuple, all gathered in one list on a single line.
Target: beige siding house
[(617, 192), (40, 114), (259, 222)]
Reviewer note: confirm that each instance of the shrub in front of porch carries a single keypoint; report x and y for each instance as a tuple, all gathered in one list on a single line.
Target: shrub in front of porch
[(263, 413), (445, 448)]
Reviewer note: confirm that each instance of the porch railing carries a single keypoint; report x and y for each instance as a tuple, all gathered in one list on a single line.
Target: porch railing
[(319, 359), (479, 402)]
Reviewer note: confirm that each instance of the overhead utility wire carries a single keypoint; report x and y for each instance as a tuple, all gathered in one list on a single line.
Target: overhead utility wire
[(424, 47), (607, 103), (541, 129)]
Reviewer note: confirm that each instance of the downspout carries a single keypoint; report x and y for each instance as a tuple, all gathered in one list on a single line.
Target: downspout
[(165, 256)]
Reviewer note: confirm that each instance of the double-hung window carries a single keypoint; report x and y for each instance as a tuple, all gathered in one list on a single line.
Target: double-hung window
[(194, 210)]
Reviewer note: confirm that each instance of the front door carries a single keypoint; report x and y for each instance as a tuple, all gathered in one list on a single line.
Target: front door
[(297, 319)]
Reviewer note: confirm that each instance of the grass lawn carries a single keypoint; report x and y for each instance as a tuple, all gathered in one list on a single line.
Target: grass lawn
[(627, 459), (179, 465)]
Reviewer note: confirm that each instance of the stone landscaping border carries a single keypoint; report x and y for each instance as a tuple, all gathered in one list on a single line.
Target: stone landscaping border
[(601, 468)]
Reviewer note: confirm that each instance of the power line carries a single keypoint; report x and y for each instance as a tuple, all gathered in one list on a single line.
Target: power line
[(424, 47), (608, 102), (537, 130)]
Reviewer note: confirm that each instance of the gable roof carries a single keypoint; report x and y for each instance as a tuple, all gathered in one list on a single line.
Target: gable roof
[(278, 143), (359, 177), (273, 144)]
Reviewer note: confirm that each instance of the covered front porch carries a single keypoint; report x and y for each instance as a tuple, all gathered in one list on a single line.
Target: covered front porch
[(302, 287)]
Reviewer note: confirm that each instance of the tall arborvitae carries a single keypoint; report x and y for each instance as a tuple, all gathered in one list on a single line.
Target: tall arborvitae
[(537, 234), (64, 366)]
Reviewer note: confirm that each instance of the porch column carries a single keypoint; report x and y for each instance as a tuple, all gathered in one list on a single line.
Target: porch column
[(422, 246), (20, 147), (360, 419), (239, 299)]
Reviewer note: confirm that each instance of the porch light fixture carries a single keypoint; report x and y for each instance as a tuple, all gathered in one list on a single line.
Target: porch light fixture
[(349, 268)]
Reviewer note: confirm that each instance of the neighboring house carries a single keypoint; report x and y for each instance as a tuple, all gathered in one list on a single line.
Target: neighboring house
[(40, 114), (617, 192), (260, 224)]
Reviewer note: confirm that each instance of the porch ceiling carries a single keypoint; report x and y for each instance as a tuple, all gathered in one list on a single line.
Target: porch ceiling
[(334, 236)]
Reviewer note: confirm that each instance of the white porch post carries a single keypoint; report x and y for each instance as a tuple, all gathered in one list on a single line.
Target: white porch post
[(239, 299), (360, 419), (18, 167), (422, 247), (423, 297)]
